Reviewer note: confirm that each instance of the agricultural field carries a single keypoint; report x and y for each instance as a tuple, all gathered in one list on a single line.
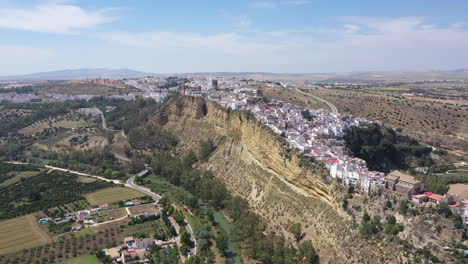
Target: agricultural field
[(84, 87), (84, 259), (67, 248), (434, 122), (20, 176), (10, 114), (111, 195), (13, 173), (293, 97), (141, 209), (47, 190), (389, 88), (21, 232), (110, 215), (460, 189), (148, 229), (69, 121)]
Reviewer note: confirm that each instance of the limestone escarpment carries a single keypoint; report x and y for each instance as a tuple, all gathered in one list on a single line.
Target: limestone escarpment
[(256, 164)]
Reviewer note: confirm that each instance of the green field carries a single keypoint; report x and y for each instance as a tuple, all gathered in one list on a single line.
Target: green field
[(85, 259), (111, 195), (19, 233), (18, 176), (233, 246), (84, 232), (389, 88)]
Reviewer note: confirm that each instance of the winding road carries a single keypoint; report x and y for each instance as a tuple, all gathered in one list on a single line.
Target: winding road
[(332, 106), (193, 251), (83, 174), (131, 184)]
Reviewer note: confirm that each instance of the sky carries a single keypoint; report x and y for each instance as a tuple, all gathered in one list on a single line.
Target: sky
[(284, 36)]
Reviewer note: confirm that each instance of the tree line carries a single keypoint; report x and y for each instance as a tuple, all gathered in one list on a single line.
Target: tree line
[(260, 245), (44, 191), (385, 150)]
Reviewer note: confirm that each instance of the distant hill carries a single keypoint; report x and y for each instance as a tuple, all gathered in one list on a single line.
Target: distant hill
[(74, 74)]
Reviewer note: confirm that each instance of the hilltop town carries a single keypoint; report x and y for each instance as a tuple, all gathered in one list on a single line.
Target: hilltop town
[(317, 133)]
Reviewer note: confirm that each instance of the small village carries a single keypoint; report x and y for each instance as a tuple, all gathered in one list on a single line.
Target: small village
[(133, 249), (90, 217)]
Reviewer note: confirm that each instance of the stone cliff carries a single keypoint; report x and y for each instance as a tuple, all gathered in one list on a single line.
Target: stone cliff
[(257, 164)]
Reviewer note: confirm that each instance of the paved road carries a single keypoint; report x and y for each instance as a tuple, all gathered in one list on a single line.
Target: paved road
[(332, 106), (84, 174), (131, 184), (122, 158), (110, 221)]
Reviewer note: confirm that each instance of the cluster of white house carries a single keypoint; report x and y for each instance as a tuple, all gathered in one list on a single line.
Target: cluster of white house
[(135, 250), (317, 132), (85, 216), (318, 136)]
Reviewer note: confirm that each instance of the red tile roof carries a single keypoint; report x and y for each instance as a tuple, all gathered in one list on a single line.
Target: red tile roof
[(435, 197)]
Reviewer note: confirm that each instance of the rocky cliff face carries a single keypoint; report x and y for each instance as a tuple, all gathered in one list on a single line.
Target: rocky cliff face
[(256, 164)]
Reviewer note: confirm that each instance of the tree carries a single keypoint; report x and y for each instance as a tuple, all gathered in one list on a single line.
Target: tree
[(178, 218), (185, 237), (458, 221), (296, 230), (222, 242), (307, 253), (366, 217), (206, 148), (403, 207), (345, 204), (391, 220)]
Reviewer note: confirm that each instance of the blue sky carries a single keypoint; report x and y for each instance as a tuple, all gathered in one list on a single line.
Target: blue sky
[(244, 35)]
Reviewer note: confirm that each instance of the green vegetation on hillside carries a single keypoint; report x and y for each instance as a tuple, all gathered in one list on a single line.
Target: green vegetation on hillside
[(8, 171), (132, 114), (258, 243), (385, 150), (151, 137)]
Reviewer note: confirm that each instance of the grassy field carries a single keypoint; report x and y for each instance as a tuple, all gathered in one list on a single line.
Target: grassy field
[(41, 125), (84, 259), (17, 177), (233, 246), (111, 195), (141, 209), (459, 189), (21, 232), (293, 97), (84, 232), (389, 88)]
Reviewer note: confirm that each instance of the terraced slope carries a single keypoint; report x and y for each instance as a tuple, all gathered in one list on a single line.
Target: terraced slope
[(254, 163)]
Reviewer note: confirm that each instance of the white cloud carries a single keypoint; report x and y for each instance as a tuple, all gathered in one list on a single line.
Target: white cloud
[(224, 43), (458, 25), (52, 18), (368, 44), (271, 4), (22, 52), (351, 28), (242, 22)]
